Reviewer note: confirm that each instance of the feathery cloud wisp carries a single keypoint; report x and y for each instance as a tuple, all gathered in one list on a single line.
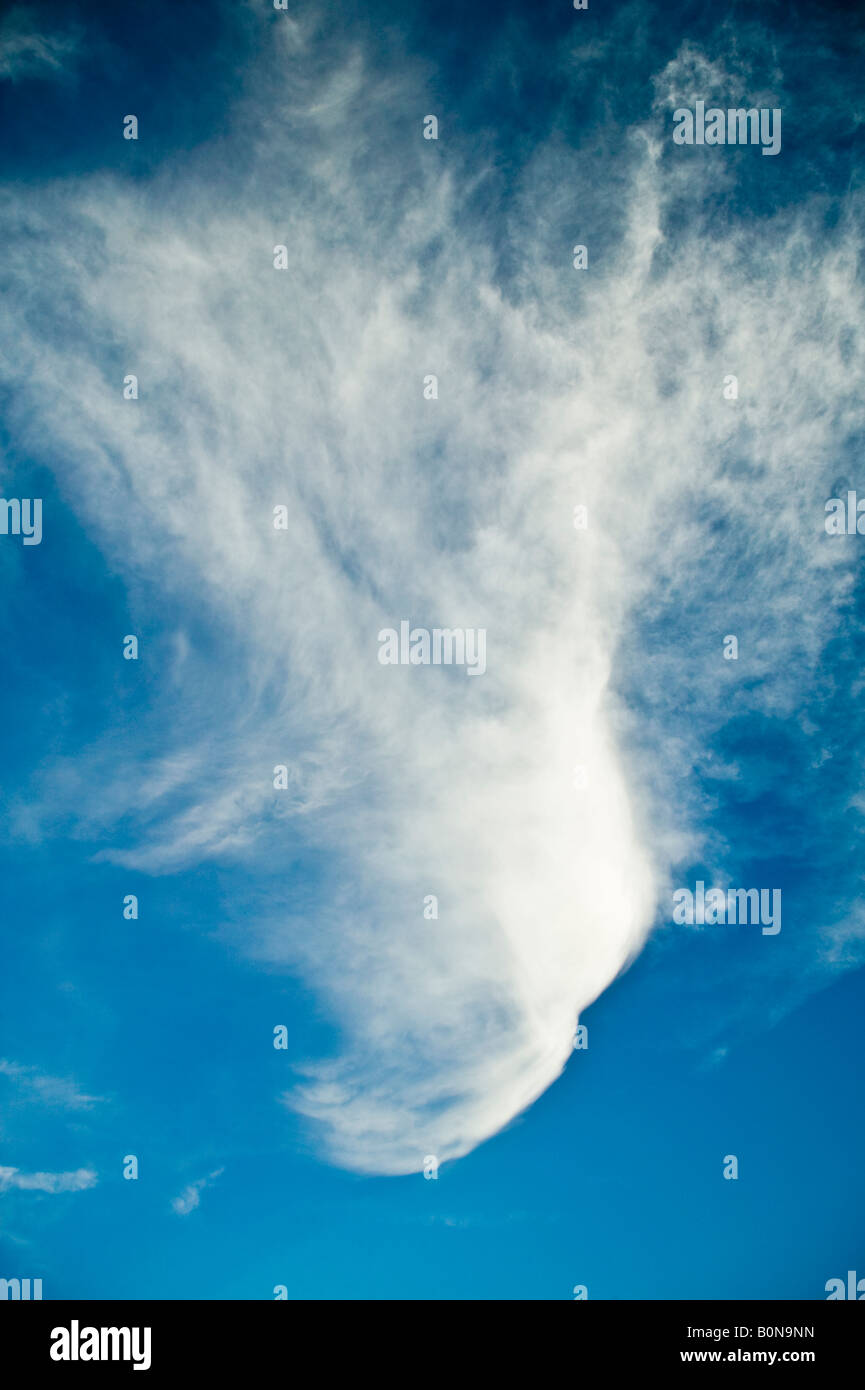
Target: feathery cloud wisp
[(190, 1197), (76, 1181), (51, 1090), (556, 388)]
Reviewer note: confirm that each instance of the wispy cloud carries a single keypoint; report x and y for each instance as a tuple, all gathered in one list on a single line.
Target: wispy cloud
[(190, 1197), (78, 1181), (51, 1090), (556, 388), (29, 49)]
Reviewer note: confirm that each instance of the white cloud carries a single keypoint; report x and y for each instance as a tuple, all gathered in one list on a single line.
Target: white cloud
[(51, 1090), (78, 1181), (259, 387), (190, 1197)]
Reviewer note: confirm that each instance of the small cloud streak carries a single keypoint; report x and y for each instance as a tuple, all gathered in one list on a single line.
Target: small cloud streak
[(190, 1197), (47, 1182), (52, 1090)]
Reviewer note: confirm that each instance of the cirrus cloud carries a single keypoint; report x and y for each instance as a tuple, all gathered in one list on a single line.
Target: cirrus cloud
[(304, 388)]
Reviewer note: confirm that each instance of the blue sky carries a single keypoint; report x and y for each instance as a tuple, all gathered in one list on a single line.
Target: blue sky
[(258, 907)]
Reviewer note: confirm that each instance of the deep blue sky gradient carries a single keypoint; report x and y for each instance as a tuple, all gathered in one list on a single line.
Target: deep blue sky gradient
[(612, 1179)]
